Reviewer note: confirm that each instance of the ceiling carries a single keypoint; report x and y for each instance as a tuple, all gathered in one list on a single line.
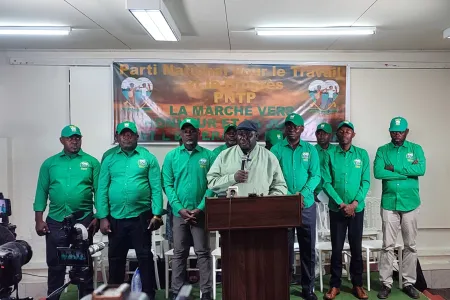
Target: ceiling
[(225, 24)]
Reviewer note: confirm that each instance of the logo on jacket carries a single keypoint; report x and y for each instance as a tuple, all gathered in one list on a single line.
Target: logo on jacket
[(357, 163), (305, 156), (410, 156), (84, 165), (142, 163), (202, 162)]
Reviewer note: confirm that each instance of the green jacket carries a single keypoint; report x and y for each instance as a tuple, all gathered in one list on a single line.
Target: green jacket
[(184, 178), (401, 186), (346, 177), (68, 182), (129, 185), (301, 168)]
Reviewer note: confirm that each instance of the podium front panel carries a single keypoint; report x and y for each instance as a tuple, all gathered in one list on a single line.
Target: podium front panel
[(253, 212)]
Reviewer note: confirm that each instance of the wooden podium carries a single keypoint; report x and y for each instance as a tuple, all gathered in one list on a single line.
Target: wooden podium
[(254, 244)]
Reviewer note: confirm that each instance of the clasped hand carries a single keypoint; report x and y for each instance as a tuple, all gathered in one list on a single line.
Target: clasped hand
[(190, 216), (349, 209)]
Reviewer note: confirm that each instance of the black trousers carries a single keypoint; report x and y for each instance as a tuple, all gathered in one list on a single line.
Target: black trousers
[(128, 234), (339, 224), (56, 274)]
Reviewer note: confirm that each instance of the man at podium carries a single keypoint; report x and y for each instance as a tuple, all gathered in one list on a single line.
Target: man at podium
[(301, 168), (254, 169)]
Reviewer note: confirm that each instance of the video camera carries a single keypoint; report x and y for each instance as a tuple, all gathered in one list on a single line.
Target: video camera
[(78, 255), (13, 254)]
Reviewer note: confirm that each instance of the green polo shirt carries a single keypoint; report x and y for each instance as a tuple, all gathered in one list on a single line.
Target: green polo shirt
[(301, 168), (401, 186), (322, 153), (219, 149), (68, 181), (346, 176), (184, 178), (129, 184), (109, 152)]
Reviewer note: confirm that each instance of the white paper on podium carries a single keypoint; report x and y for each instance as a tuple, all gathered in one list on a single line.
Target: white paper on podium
[(323, 197)]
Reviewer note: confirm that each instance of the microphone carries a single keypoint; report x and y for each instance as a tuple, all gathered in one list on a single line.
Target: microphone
[(96, 247), (244, 160)]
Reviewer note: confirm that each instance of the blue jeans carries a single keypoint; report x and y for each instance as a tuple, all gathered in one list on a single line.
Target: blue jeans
[(306, 236)]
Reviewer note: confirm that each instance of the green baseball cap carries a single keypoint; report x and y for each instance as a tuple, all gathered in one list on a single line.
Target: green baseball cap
[(70, 130), (193, 122), (126, 125), (295, 118), (228, 126), (398, 124), (325, 127), (274, 136), (346, 123)]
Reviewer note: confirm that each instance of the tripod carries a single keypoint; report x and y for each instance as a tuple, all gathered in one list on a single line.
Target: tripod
[(77, 275)]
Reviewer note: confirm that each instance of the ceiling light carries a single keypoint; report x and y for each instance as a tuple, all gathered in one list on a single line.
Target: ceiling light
[(38, 30), (447, 33), (155, 18), (321, 31)]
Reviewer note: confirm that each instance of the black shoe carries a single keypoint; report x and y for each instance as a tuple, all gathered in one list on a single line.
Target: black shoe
[(384, 292), (173, 297), (206, 296), (309, 296), (411, 292)]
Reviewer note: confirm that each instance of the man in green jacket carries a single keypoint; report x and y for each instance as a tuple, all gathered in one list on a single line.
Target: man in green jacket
[(273, 137), (129, 206), (346, 179), (229, 135), (67, 181), (300, 164), (324, 133), (399, 164), (184, 180)]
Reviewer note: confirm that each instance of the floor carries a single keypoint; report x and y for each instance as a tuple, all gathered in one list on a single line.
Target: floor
[(295, 291), (439, 294)]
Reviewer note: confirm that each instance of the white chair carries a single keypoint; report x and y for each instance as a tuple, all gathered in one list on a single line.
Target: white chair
[(216, 255), (131, 256), (323, 245), (99, 261), (168, 255), (373, 246), (372, 218)]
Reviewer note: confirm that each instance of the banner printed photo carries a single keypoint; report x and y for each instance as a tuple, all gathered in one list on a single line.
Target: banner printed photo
[(158, 96)]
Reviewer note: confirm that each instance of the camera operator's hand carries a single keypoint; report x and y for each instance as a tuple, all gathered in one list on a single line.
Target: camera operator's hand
[(41, 228), (105, 226), (155, 223), (94, 226)]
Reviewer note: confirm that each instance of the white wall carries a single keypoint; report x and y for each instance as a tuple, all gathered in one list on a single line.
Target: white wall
[(34, 106), (34, 101)]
